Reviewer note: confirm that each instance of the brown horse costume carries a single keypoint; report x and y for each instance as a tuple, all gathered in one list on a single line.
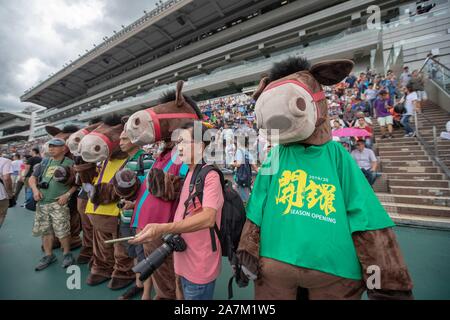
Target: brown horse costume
[(108, 261), (291, 100), (84, 172), (75, 222), (149, 126)]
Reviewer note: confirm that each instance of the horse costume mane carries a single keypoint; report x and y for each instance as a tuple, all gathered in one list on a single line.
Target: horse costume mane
[(63, 133), (291, 99), (158, 122)]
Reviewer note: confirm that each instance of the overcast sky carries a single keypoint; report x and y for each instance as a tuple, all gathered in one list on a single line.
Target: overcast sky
[(38, 36)]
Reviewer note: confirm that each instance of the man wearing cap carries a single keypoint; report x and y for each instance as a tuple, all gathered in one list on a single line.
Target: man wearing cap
[(52, 193)]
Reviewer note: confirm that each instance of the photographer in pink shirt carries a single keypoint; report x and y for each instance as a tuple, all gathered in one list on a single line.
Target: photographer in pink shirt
[(198, 266)]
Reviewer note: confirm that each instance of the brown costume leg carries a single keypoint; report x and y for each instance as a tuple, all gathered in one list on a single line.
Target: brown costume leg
[(103, 254), (75, 228), (86, 249), (277, 281), (123, 263), (380, 248), (324, 286), (163, 278), (110, 260)]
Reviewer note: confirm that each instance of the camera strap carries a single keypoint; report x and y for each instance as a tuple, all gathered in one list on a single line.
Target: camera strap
[(197, 181)]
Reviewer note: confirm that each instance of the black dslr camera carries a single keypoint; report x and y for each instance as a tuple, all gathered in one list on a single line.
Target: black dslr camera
[(172, 242), (43, 185), (121, 204)]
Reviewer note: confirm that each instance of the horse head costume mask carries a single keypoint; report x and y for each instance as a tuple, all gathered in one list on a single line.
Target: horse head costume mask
[(291, 99), (157, 123), (103, 142), (86, 171), (74, 140)]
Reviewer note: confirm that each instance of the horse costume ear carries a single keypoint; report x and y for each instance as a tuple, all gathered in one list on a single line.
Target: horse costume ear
[(53, 131), (179, 99), (262, 85), (124, 119), (331, 71)]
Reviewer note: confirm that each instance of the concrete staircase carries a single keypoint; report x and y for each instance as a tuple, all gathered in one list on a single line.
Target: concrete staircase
[(413, 189)]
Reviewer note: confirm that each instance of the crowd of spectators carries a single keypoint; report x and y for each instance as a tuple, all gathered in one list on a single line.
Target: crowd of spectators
[(357, 102)]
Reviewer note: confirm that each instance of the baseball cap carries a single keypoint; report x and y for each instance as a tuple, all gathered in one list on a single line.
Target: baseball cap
[(57, 142)]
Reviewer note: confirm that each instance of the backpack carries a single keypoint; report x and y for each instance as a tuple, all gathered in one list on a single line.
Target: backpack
[(232, 221), (400, 108), (30, 203), (244, 173)]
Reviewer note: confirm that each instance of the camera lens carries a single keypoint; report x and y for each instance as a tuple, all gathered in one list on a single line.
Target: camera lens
[(147, 266)]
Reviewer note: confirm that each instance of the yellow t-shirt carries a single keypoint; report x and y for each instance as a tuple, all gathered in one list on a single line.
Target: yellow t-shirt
[(107, 172)]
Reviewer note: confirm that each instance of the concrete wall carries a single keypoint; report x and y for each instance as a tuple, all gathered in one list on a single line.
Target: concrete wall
[(427, 32), (437, 95)]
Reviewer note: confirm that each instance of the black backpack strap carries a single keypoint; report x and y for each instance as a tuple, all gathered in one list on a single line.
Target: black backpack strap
[(141, 164), (193, 195), (198, 180)]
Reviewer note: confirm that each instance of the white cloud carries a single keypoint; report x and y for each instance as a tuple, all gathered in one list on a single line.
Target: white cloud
[(37, 37), (29, 72)]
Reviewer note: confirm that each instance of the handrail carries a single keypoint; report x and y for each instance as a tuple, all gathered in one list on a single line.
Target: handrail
[(435, 157), (435, 61), (408, 19), (432, 150)]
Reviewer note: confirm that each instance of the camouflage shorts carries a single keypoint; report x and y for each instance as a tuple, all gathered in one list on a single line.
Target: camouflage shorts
[(52, 218)]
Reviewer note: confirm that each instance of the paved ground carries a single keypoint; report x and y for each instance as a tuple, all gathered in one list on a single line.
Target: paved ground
[(426, 252)]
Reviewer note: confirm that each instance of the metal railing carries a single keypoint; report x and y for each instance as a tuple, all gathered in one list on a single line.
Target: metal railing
[(437, 72), (440, 74)]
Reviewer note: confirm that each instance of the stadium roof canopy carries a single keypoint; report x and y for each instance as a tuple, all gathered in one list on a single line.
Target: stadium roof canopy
[(176, 31), (173, 25)]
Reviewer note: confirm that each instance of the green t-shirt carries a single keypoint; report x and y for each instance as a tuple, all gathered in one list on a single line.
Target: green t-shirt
[(133, 164), (55, 189), (310, 204)]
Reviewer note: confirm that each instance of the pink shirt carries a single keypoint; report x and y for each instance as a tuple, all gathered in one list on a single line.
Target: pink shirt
[(198, 263)]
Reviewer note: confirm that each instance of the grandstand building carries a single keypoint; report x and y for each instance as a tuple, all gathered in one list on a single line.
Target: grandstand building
[(223, 47)]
